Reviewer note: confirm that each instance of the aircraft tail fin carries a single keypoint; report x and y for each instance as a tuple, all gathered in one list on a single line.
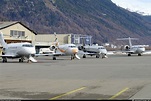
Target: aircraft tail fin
[(2, 41), (56, 43), (129, 39)]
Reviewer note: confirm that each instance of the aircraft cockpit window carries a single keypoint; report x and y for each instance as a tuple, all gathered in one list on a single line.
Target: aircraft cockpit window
[(101, 48), (72, 46), (27, 45)]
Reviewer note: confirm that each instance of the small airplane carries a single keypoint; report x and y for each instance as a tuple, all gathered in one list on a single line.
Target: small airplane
[(132, 49), (66, 49), (17, 50), (94, 49)]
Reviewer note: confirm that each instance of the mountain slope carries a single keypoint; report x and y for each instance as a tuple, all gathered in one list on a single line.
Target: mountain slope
[(100, 18)]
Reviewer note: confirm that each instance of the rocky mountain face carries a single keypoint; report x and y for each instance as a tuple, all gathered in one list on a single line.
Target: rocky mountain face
[(100, 18)]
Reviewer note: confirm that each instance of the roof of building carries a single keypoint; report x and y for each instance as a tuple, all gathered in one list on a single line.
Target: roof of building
[(8, 24)]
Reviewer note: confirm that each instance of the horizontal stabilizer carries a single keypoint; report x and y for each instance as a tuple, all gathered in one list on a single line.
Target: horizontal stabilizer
[(127, 38), (8, 56), (44, 54)]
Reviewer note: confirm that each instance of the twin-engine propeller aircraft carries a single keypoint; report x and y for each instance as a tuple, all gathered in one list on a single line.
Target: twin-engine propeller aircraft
[(132, 49), (66, 49), (94, 49), (17, 50)]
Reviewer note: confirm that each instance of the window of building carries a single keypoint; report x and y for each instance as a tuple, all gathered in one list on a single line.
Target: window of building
[(14, 33)]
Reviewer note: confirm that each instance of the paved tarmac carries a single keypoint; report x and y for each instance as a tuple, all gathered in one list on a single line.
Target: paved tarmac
[(117, 77)]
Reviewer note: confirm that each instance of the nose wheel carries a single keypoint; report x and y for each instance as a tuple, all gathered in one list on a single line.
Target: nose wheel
[(139, 54), (72, 57), (29, 61), (21, 59), (54, 58), (98, 56)]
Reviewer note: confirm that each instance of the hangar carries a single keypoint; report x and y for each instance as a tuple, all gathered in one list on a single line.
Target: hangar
[(16, 32)]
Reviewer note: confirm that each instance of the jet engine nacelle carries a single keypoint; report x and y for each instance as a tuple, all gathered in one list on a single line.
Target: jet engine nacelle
[(126, 47), (52, 48), (82, 48)]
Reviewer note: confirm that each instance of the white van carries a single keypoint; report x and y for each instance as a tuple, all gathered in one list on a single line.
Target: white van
[(45, 51)]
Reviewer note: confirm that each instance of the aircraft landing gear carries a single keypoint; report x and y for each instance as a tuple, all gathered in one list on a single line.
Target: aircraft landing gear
[(4, 59), (29, 61), (98, 56), (21, 60), (72, 57), (139, 54), (54, 58), (129, 54), (84, 56)]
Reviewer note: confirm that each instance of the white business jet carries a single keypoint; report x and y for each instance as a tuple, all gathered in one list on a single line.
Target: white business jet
[(94, 49), (17, 50), (132, 49), (66, 49)]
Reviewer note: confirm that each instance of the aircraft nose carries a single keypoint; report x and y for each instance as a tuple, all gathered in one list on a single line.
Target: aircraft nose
[(141, 49), (75, 50)]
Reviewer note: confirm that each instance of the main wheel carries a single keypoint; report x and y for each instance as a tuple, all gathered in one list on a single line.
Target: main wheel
[(97, 56), (4, 60), (139, 54), (84, 56), (129, 54), (54, 58)]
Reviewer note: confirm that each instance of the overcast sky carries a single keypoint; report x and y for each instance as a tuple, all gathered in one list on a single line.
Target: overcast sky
[(135, 5)]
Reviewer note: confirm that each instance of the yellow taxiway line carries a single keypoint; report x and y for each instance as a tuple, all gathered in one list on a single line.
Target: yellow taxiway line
[(119, 93), (76, 90)]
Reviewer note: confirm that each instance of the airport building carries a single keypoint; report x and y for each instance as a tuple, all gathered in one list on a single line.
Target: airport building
[(16, 32)]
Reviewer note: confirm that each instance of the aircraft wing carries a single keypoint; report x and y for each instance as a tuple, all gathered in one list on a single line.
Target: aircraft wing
[(53, 54), (147, 52), (127, 51), (43, 54), (9, 56), (111, 52), (87, 53)]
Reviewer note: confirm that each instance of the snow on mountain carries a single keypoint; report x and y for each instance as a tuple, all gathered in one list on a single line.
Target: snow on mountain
[(142, 7)]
